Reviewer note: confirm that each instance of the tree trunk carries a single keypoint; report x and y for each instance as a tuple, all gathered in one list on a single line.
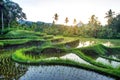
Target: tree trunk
[(9, 24), (2, 22)]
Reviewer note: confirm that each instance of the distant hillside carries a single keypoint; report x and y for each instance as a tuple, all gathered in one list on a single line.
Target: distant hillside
[(30, 23)]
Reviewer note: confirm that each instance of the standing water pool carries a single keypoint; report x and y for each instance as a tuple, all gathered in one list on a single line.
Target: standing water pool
[(61, 73)]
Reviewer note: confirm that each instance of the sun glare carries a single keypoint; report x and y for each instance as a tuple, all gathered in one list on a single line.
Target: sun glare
[(79, 9)]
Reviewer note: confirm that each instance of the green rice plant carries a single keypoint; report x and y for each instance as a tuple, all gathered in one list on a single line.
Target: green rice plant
[(48, 37), (22, 42), (112, 59), (97, 49), (1, 44), (101, 51), (109, 72), (17, 34), (90, 60)]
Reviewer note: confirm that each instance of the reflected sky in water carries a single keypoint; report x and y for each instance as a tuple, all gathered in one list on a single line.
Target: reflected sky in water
[(61, 73), (108, 62)]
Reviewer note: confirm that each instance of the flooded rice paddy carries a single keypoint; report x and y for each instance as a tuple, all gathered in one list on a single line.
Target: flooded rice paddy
[(108, 62), (10, 70), (90, 43), (60, 73)]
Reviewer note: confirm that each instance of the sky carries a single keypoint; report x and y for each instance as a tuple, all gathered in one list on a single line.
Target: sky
[(81, 10)]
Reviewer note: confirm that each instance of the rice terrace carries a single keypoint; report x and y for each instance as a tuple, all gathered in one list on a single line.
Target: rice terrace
[(43, 50)]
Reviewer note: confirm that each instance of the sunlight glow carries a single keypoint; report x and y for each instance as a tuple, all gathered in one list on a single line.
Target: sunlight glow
[(44, 10)]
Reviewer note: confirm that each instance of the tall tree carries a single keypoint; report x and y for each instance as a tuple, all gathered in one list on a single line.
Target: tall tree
[(53, 22), (10, 11), (55, 17), (95, 24), (2, 15), (14, 12), (74, 21), (109, 16), (66, 20), (115, 23), (94, 21)]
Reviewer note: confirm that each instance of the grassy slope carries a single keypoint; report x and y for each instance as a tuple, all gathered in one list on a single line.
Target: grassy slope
[(115, 42), (26, 59), (21, 37), (23, 34), (99, 49), (99, 67), (17, 41)]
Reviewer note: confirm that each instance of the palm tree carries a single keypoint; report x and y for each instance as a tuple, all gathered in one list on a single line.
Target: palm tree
[(74, 21), (94, 21), (66, 20), (55, 17), (109, 16)]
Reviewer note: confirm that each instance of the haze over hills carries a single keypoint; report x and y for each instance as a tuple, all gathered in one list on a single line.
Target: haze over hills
[(30, 23)]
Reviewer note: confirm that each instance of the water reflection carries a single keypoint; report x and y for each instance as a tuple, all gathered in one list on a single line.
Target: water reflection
[(74, 57), (115, 56), (61, 73), (70, 56), (108, 62), (108, 44), (90, 43), (84, 44), (10, 70)]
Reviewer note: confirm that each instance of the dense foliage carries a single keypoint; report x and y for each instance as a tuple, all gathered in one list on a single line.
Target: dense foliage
[(10, 12), (92, 29)]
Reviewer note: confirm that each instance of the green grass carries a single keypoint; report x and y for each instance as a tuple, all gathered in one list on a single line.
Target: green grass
[(1, 44), (23, 34), (17, 37), (18, 41)]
